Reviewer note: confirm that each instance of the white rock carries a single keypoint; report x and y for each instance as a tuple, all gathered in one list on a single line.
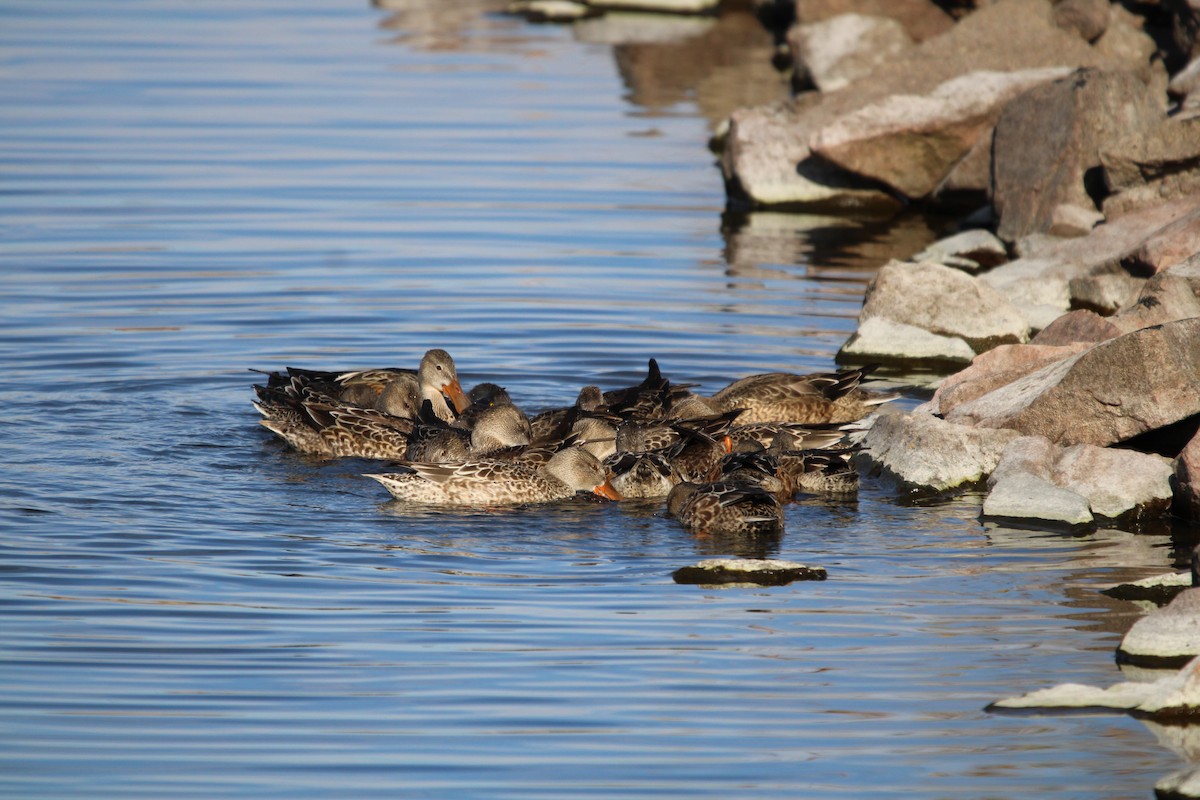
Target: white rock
[(1115, 481), (1168, 633), (965, 250), (882, 339), (1184, 783), (846, 47), (1176, 694)]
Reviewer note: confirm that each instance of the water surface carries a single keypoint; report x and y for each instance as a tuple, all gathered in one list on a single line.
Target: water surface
[(189, 609)]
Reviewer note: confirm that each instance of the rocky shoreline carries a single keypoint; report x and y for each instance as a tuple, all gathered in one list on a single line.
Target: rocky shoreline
[(1064, 311)]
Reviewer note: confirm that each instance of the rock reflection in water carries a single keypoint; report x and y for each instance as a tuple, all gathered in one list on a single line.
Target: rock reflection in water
[(439, 25)]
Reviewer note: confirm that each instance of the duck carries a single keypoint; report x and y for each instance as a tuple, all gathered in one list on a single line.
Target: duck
[(824, 472), (642, 475), (495, 428), (724, 508), (830, 397), (488, 482), (557, 423), (761, 469), (363, 413)]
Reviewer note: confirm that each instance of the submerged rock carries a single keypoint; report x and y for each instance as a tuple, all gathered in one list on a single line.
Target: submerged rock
[(761, 572), (1172, 697), (1157, 589)]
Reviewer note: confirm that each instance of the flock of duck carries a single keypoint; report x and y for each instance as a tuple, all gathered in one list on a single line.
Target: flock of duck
[(725, 463)]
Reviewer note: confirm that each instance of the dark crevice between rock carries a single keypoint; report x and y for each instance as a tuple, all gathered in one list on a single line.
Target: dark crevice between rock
[(1152, 662), (1167, 441)]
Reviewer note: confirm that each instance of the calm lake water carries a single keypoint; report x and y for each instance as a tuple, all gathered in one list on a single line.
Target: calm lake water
[(188, 609)]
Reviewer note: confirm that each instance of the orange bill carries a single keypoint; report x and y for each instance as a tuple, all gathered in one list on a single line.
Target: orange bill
[(606, 490), (728, 443), (454, 391)]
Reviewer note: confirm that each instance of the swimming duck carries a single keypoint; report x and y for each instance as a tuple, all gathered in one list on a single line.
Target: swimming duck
[(761, 469), (831, 397), (556, 423), (642, 475), (359, 413), (828, 472), (483, 482), (725, 508), (495, 428)]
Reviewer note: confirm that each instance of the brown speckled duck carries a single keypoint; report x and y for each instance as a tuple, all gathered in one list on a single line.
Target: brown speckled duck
[(725, 508), (832, 397), (499, 483)]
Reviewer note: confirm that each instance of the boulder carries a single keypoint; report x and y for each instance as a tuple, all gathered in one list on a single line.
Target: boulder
[(1047, 146), (767, 158), (1080, 325), (1108, 393), (1104, 292), (1149, 167), (1166, 636), (971, 251), (1170, 245), (923, 453), (943, 301), (842, 49), (1041, 280), (1125, 42), (1116, 483), (1086, 18), (998, 367), (1186, 472), (1164, 298), (911, 142), (920, 19), (766, 161), (879, 339)]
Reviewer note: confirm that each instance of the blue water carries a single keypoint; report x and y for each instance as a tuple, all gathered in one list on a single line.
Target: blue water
[(189, 609)]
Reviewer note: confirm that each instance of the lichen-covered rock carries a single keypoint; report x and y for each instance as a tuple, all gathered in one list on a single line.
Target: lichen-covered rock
[(924, 453), (1048, 141), (944, 301), (1166, 636), (1106, 394), (761, 572)]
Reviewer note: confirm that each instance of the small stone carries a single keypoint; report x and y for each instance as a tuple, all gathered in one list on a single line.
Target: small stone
[(1157, 589), (971, 250), (761, 572)]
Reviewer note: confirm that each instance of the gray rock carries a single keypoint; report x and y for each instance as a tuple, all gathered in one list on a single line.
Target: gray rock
[(879, 339), (1149, 167), (1106, 394), (943, 301), (834, 52), (911, 142), (924, 453), (1167, 636), (970, 250), (1025, 455), (1023, 495), (1115, 482), (1047, 141)]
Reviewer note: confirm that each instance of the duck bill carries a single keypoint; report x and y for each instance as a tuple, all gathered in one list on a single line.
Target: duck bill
[(606, 490), (454, 391)]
